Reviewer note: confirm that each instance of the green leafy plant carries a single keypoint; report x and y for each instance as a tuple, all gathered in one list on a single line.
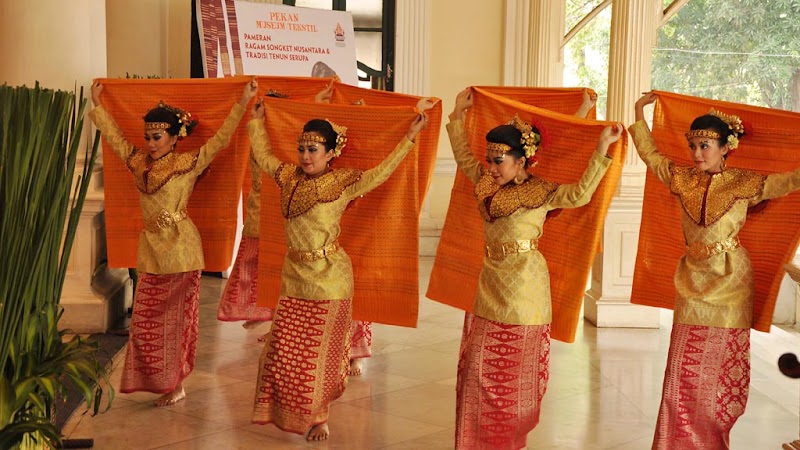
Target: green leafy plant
[(41, 200)]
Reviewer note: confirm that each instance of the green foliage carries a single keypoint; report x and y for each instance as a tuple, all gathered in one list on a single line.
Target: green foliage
[(586, 54), (41, 202), (744, 51)]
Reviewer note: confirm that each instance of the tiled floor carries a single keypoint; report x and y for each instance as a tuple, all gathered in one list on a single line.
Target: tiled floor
[(603, 393)]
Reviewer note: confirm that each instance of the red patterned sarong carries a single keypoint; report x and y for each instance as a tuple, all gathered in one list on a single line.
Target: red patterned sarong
[(361, 341), (502, 377), (163, 335), (705, 387), (238, 300), (305, 363)]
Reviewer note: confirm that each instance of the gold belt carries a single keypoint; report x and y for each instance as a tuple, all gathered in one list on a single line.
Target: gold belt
[(499, 250), (700, 250), (164, 219), (314, 255)]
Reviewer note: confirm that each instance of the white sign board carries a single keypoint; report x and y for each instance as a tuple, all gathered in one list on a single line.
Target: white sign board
[(245, 38)]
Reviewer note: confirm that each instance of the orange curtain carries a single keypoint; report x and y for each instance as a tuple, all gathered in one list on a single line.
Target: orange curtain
[(212, 206), (570, 239), (380, 232), (771, 145)]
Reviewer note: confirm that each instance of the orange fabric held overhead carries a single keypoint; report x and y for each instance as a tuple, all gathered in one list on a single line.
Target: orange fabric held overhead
[(213, 204), (380, 232), (427, 140), (570, 238), (771, 145)]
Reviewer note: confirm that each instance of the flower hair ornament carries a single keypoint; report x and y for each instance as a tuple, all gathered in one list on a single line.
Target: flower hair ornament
[(341, 138), (530, 140), (184, 120)]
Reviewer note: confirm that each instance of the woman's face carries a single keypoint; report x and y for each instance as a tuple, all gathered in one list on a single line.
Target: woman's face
[(159, 143), (505, 168), (707, 154), (313, 157)]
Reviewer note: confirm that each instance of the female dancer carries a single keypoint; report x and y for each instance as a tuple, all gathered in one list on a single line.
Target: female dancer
[(503, 366), (714, 281), (163, 336), (304, 365)]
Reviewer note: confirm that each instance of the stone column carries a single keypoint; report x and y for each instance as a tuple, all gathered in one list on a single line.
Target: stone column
[(634, 26), (60, 44), (546, 33)]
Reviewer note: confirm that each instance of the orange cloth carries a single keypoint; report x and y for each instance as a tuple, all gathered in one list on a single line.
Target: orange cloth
[(570, 239), (305, 89), (427, 140), (210, 206), (771, 145), (380, 232)]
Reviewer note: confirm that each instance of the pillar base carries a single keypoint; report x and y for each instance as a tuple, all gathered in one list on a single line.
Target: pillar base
[(619, 313)]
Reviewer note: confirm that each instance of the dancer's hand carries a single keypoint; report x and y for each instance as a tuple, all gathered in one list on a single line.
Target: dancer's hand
[(589, 99), (324, 96), (646, 99), (250, 90), (464, 101), (257, 111), (608, 136), (97, 89), (425, 104), (419, 124)]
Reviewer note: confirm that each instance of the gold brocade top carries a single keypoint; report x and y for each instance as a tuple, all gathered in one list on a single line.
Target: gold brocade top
[(252, 218), (300, 193), (495, 201), (313, 215), (715, 291), (165, 186), (515, 289)]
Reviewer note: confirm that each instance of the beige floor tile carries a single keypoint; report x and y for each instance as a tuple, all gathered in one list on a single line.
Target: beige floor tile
[(430, 403), (235, 439), (442, 440), (425, 365), (373, 382), (143, 427), (361, 428), (230, 405)]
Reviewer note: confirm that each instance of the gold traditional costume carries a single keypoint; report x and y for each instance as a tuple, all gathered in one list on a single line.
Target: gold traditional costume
[(504, 361), (163, 335), (295, 388), (708, 368)]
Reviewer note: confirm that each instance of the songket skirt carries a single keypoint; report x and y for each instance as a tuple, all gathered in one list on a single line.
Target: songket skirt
[(238, 300), (163, 334), (502, 377), (304, 364), (705, 387)]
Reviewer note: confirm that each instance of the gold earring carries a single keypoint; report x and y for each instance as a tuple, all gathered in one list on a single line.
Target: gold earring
[(722, 165), (517, 181)]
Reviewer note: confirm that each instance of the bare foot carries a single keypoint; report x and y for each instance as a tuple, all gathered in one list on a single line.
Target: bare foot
[(251, 324), (170, 398), (356, 366), (264, 337), (318, 432)]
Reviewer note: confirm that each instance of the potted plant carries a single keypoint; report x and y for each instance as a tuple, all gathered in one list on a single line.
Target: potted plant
[(40, 205)]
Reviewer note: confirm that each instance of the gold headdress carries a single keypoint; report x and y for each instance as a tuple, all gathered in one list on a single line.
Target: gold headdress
[(734, 124), (341, 138), (496, 150), (184, 120)]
